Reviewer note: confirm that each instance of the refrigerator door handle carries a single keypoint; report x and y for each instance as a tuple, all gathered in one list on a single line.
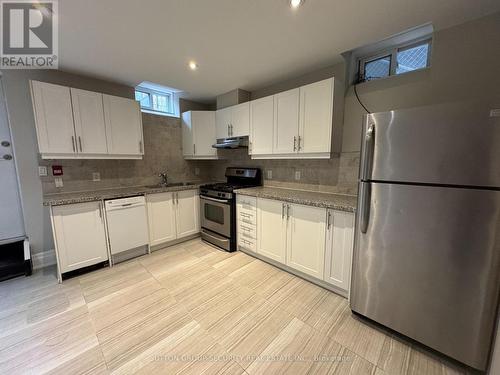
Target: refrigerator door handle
[(365, 202), (369, 151)]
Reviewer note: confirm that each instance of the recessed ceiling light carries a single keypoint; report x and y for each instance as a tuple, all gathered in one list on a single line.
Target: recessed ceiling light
[(193, 65), (296, 3)]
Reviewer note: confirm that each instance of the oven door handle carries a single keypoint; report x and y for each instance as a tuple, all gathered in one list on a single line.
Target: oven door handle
[(214, 199)]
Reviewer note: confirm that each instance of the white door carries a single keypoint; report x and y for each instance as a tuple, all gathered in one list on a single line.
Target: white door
[(261, 126), (316, 121), (187, 135), (204, 133), (271, 229), (53, 118), (161, 217), (88, 112), (306, 245), (11, 218), (187, 212), (223, 122), (123, 126), (240, 120), (286, 121), (339, 247), (79, 235)]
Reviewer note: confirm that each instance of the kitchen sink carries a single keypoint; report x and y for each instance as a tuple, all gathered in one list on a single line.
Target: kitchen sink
[(173, 184)]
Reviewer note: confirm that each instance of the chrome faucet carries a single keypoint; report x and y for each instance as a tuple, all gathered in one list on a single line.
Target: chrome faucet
[(163, 176)]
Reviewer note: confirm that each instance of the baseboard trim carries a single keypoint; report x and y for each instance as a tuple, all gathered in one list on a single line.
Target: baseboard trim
[(43, 259)]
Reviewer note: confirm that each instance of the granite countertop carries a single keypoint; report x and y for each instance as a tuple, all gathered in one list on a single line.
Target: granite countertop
[(57, 199), (341, 202)]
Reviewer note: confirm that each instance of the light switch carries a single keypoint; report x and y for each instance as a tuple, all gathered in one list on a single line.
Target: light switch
[(297, 175), (269, 174), (59, 182), (197, 171), (96, 176), (42, 170)]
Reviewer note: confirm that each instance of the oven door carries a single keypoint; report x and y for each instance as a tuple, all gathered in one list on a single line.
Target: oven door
[(216, 215)]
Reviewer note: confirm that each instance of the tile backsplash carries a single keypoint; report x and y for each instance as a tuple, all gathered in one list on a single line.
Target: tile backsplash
[(162, 144)]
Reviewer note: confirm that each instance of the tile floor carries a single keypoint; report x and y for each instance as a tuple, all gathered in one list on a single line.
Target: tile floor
[(192, 309)]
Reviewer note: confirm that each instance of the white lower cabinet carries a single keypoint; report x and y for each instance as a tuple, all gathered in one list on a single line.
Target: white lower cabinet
[(271, 229), (306, 239), (339, 247), (79, 235), (173, 215)]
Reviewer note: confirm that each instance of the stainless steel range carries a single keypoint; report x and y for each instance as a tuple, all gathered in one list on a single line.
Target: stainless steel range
[(218, 206)]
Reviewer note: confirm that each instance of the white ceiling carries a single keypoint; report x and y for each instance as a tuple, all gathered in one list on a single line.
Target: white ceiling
[(246, 44)]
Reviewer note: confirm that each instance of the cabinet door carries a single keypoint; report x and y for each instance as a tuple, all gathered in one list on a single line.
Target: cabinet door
[(271, 229), (261, 126), (123, 126), (306, 245), (316, 121), (88, 112), (187, 213), (339, 246), (53, 118), (204, 133), (187, 135), (79, 235), (222, 122), (161, 217), (240, 120), (286, 121)]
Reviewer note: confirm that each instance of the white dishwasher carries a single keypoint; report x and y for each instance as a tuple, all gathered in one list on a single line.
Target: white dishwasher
[(127, 223)]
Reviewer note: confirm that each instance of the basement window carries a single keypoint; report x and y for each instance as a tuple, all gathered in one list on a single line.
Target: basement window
[(153, 101), (397, 60)]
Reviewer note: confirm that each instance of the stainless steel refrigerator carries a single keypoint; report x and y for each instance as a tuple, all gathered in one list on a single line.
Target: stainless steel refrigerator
[(427, 245)]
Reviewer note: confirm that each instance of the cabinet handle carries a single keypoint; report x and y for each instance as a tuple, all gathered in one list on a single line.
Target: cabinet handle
[(100, 210), (294, 143), (140, 147), (232, 132), (194, 149), (329, 219), (80, 142), (298, 148), (282, 211), (228, 131), (73, 142), (287, 211)]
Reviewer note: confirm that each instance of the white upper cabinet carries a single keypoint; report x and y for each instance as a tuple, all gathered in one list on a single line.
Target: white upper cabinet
[(53, 118), (90, 129), (198, 135), (339, 247), (261, 126), (123, 126), (240, 120), (286, 122), (78, 124), (306, 245), (223, 122), (233, 121), (316, 117)]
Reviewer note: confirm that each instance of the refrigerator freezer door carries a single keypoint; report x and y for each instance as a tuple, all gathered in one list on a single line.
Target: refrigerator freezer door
[(428, 265), (450, 144)]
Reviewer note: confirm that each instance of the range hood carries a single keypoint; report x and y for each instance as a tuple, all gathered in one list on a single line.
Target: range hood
[(233, 142)]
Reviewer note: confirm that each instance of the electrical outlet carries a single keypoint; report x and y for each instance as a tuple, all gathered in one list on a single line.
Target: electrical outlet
[(495, 113), (197, 171), (59, 182), (297, 175), (269, 174), (42, 171), (96, 176)]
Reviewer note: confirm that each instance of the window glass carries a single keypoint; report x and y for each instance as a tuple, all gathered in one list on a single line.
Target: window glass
[(143, 98), (377, 68), (412, 58), (160, 103)]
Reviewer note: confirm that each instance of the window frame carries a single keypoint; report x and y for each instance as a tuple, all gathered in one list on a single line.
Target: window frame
[(393, 53), (170, 101)]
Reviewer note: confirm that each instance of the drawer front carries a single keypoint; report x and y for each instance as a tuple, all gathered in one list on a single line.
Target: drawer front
[(248, 218), (247, 232), (247, 203), (247, 244)]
